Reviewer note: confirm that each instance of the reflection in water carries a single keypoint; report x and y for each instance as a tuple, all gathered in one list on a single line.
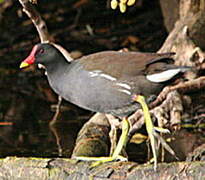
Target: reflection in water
[(38, 140), (26, 101)]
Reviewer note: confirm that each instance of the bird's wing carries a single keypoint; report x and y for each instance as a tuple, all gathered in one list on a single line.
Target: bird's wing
[(120, 64)]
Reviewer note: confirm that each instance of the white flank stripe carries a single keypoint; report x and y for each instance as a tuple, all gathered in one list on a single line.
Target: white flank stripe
[(126, 86), (108, 77), (94, 73), (99, 73), (125, 91), (163, 76)]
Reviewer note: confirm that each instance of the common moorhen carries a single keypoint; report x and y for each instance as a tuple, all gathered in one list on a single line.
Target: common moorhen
[(106, 81)]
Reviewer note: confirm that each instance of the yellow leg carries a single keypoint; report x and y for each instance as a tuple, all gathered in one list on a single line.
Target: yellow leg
[(152, 131), (149, 127), (116, 154)]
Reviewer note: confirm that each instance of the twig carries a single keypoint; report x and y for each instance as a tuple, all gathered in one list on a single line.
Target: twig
[(188, 86), (41, 27), (171, 105), (183, 87), (39, 23), (53, 121)]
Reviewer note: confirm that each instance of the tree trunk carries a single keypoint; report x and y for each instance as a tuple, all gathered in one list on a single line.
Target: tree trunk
[(65, 169), (187, 36)]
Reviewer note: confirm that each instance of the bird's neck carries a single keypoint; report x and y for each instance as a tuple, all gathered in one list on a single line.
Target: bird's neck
[(58, 66), (58, 73)]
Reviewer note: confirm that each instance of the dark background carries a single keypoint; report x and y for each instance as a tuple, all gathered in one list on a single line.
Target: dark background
[(25, 96)]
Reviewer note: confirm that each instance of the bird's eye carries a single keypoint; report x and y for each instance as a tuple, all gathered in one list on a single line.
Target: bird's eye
[(41, 51)]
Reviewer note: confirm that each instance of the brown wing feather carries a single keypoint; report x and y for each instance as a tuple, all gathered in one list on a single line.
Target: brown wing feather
[(119, 64)]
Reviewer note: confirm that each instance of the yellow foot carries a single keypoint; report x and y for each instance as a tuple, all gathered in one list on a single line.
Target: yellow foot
[(101, 160), (116, 154), (108, 159), (153, 131)]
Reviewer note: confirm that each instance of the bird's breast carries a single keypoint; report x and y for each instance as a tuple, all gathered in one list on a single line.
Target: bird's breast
[(92, 90)]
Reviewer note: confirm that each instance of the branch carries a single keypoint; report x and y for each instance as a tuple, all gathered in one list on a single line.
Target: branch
[(38, 168), (39, 23)]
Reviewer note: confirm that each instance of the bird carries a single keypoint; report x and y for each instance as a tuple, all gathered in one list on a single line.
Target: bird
[(106, 81)]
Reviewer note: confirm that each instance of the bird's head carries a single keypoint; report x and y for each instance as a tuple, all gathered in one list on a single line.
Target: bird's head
[(42, 53)]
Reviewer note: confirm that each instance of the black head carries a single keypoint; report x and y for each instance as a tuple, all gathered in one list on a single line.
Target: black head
[(42, 53)]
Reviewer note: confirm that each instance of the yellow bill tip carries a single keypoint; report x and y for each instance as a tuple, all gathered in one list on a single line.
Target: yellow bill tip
[(24, 64)]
